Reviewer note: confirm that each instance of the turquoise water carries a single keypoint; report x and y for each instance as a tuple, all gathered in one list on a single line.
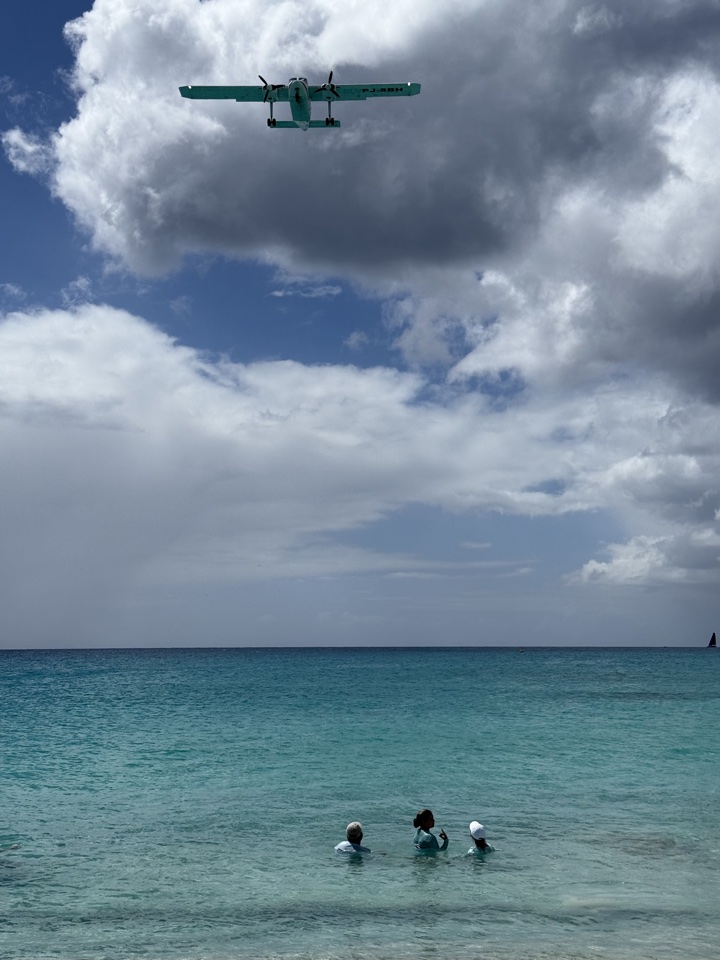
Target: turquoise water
[(185, 804)]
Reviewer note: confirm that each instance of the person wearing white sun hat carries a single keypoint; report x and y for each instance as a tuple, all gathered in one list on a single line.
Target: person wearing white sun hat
[(477, 832)]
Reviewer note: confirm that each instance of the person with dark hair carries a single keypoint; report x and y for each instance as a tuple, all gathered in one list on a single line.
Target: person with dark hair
[(425, 841)]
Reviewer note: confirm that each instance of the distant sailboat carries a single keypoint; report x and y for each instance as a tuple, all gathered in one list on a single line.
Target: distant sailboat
[(713, 641)]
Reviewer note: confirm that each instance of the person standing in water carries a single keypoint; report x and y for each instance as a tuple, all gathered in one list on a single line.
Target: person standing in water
[(424, 840), (477, 832), (353, 844)]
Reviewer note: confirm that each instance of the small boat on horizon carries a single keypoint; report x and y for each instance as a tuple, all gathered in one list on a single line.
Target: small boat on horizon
[(713, 641)]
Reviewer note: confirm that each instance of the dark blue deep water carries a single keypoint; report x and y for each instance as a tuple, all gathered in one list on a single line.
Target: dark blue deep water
[(185, 803)]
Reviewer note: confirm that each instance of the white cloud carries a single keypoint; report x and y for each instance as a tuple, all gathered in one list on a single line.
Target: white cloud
[(542, 222), (692, 558), (357, 340), (77, 291), (181, 306), (12, 291), (308, 291), (28, 153), (133, 463), (674, 231), (569, 163), (638, 560)]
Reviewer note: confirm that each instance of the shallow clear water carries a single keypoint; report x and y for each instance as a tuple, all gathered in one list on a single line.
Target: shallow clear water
[(185, 804)]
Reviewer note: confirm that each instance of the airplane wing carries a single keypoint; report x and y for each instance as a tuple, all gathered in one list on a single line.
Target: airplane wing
[(361, 91), (241, 94)]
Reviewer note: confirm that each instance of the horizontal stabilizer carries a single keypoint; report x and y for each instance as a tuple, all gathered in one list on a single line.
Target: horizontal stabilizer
[(288, 124)]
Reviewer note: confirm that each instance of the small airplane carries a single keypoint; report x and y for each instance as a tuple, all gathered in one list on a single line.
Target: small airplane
[(301, 95)]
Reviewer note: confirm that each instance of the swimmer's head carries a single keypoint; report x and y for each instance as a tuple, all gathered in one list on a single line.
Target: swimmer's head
[(424, 819), (477, 830), (354, 832)]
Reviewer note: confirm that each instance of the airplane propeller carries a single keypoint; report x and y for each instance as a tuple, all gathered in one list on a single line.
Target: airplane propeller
[(330, 86), (269, 87)]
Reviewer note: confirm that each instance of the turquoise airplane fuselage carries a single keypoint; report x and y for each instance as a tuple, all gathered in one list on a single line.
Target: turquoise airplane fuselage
[(299, 97)]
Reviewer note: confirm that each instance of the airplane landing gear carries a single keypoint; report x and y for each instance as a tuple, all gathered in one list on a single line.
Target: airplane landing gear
[(272, 122)]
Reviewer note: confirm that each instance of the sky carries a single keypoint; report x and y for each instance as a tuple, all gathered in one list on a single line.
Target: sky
[(446, 375)]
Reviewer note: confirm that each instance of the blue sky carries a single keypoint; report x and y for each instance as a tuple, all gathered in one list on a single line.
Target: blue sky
[(447, 375)]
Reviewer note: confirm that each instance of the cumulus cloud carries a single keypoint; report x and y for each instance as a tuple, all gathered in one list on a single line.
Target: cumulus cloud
[(542, 222), (501, 117), (566, 154), (135, 461), (693, 558)]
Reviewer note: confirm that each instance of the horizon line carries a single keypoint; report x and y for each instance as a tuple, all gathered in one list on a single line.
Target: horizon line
[(516, 647)]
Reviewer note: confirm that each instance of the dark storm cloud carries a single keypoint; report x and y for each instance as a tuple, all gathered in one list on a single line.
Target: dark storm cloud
[(505, 118), (523, 110), (666, 35)]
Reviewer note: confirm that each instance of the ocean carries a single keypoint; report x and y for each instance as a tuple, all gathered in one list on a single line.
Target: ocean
[(185, 804)]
